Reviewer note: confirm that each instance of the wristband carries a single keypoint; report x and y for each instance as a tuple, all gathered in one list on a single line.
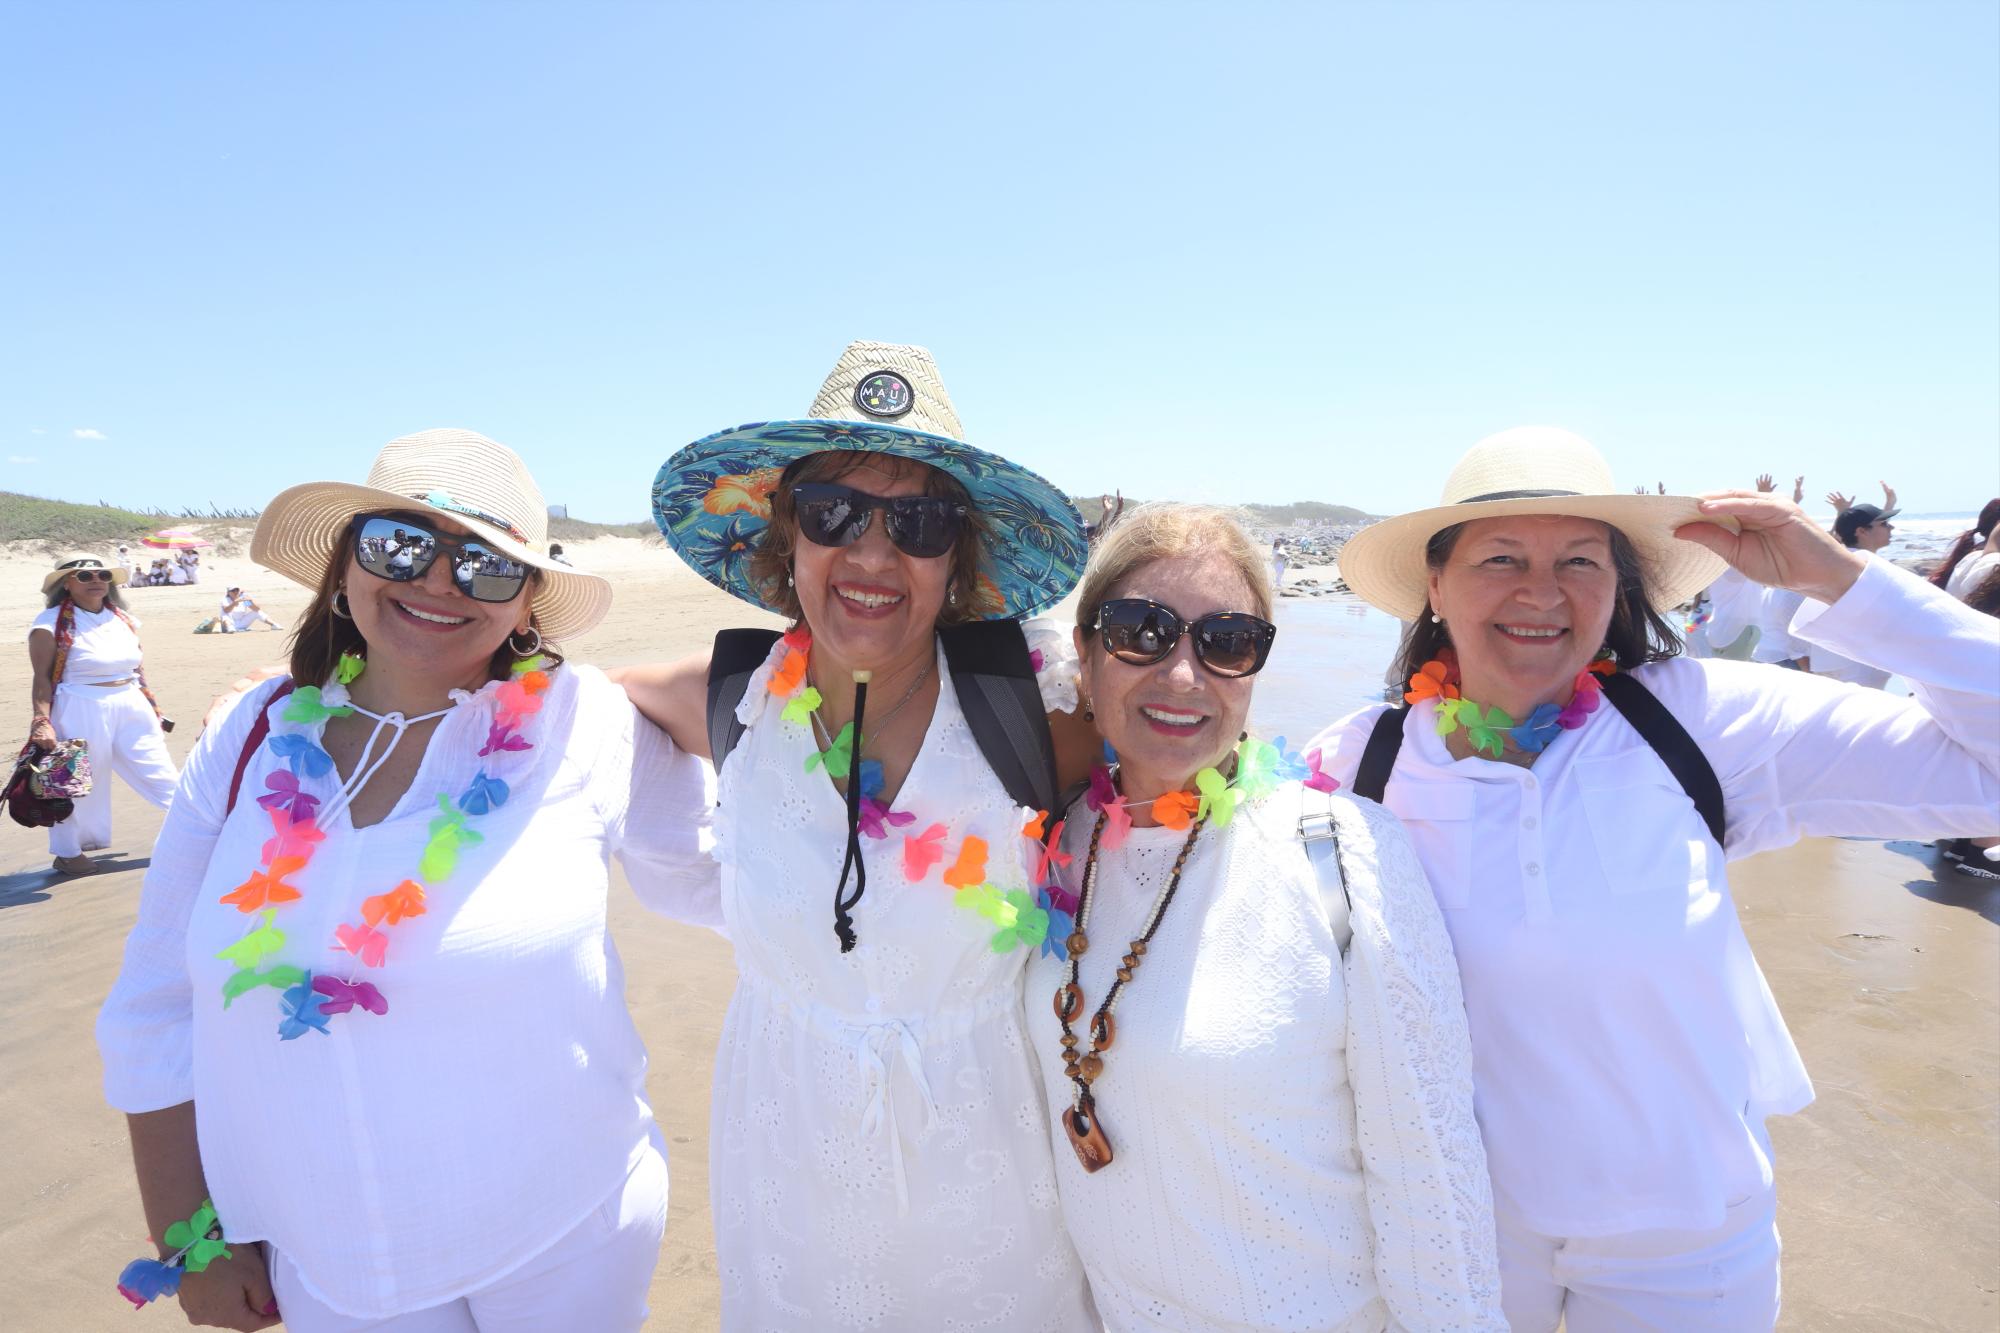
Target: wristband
[(196, 1242)]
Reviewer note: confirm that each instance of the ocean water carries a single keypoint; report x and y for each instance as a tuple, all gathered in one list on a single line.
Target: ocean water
[(1333, 653)]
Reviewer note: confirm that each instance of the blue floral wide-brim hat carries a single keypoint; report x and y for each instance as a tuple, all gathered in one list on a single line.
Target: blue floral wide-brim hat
[(712, 500)]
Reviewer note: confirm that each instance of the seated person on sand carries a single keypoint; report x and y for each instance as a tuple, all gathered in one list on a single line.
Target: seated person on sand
[(240, 613)]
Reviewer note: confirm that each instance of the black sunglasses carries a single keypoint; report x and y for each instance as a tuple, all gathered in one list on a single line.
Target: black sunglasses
[(400, 548), (91, 575), (924, 526), (1228, 643)]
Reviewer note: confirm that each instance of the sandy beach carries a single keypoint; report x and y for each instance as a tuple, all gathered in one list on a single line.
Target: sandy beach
[(1888, 970)]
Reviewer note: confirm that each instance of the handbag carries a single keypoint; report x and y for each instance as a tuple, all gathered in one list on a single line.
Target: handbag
[(61, 774), (27, 807)]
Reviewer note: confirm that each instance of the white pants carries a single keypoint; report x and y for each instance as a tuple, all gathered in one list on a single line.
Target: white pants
[(594, 1278), (1725, 1279), (124, 738)]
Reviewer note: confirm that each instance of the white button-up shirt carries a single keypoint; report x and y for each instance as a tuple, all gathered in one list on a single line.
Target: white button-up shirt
[(1625, 1045), (401, 1160)]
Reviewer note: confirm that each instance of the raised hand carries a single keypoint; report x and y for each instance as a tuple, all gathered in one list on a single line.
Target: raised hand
[(1766, 483), (1799, 489), (1888, 495), (1841, 503), (1772, 542)]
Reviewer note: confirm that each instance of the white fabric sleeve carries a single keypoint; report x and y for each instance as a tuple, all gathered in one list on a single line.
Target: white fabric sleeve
[(1801, 755), (657, 801), (1057, 670), (145, 1031), (1409, 1059)]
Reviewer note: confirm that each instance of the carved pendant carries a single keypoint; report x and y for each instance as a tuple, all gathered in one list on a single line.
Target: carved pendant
[(1086, 1136)]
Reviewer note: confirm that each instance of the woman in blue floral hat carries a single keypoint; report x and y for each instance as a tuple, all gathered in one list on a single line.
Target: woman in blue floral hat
[(879, 1150)]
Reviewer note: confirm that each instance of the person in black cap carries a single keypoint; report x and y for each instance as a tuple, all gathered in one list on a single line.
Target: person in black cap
[(1865, 527)]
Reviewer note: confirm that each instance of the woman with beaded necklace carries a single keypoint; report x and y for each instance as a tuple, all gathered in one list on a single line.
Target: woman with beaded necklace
[(878, 1152), (1576, 790), (1263, 1109)]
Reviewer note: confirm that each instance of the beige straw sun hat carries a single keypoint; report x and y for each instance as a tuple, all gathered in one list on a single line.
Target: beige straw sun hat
[(1531, 470), (74, 561), (451, 474)]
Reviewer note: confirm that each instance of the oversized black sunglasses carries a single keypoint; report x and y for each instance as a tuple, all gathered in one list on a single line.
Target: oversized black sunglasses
[(91, 575), (1228, 643), (924, 526), (399, 548)]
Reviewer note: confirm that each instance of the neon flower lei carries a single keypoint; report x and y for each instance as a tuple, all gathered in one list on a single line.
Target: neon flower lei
[(1493, 730), (308, 1002), (196, 1243)]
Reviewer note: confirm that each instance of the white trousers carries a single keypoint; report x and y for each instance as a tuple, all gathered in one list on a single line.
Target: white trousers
[(1664, 1281), (124, 738), (594, 1278)]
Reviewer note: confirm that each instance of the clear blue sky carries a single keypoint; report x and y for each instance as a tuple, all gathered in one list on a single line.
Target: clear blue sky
[(1251, 252)]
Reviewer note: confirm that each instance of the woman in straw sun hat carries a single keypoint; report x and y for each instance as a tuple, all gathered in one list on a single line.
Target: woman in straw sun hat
[(1576, 792), (371, 962), (879, 1154), (90, 686)]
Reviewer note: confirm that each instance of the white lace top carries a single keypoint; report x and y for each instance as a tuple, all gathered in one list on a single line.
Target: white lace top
[(1292, 1135), (879, 1151)]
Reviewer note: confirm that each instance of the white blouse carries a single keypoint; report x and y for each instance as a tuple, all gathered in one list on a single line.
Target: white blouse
[(1293, 1145), (104, 647), (404, 1159), (1625, 1045), (879, 1153), (1972, 571)]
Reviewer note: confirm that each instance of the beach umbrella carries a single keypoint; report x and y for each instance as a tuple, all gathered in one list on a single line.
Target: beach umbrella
[(174, 539)]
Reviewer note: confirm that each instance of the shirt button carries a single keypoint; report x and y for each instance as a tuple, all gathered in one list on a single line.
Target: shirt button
[(1528, 823), (1534, 867)]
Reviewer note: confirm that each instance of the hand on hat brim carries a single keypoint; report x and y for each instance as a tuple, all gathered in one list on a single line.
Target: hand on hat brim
[(1771, 541)]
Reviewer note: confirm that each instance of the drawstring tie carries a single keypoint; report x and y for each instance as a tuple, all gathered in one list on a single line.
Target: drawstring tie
[(365, 769), (880, 1042), (843, 902)]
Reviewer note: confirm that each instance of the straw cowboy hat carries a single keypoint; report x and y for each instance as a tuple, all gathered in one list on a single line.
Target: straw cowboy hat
[(1531, 470), (76, 560), (450, 474), (712, 499)]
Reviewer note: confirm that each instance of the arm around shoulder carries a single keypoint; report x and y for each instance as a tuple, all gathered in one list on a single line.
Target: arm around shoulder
[(673, 696)]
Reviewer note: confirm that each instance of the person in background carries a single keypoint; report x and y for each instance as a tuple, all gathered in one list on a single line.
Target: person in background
[(556, 553), (89, 685), (1974, 554), (1278, 562), (241, 613), (1866, 529), (1576, 791)]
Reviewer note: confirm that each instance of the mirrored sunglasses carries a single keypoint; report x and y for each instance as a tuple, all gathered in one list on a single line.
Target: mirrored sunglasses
[(401, 549), (924, 526)]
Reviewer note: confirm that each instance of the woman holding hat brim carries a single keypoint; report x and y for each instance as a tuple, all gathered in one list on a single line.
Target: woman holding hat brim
[(879, 1154), (1626, 1049), (371, 966), (90, 685)]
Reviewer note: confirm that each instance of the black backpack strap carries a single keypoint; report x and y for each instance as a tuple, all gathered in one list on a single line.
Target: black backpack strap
[(995, 680), (1663, 731), (736, 656), (1385, 742)]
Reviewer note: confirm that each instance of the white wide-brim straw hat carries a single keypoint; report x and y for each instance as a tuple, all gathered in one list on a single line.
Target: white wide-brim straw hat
[(1531, 470), (459, 475), (74, 561)]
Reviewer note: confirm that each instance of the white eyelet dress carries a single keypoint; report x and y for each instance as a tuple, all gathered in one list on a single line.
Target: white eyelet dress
[(879, 1153)]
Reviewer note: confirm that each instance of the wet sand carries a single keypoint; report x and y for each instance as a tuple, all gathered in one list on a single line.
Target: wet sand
[(1888, 970)]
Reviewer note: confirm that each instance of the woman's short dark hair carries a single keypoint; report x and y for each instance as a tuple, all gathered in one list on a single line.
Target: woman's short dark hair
[(319, 636), (771, 561), (1638, 633)]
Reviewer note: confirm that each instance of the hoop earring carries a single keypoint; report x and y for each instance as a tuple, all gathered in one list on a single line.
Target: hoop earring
[(339, 604), (528, 651)]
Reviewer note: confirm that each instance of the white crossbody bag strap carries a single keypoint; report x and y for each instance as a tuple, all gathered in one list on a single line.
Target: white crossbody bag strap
[(1322, 843)]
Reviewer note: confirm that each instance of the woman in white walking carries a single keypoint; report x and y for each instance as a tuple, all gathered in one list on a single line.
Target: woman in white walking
[(90, 686)]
